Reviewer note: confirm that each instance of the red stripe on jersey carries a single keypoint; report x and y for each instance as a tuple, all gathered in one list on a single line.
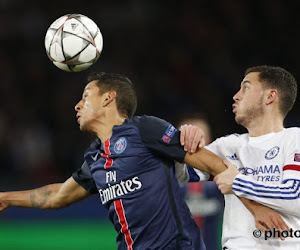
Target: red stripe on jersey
[(291, 167), (124, 226), (109, 162)]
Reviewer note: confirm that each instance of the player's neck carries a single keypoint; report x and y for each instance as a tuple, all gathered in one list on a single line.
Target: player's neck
[(266, 125), (104, 128)]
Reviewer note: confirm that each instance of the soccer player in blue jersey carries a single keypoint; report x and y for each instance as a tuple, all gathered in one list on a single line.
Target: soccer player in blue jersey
[(130, 165)]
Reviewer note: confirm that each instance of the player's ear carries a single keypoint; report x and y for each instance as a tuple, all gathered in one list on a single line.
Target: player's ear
[(109, 97), (272, 95)]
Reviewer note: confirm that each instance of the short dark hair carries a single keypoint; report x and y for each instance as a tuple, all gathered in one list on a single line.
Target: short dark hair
[(126, 99), (280, 79)]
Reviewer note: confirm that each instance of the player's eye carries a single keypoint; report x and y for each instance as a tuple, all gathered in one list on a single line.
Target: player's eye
[(246, 87)]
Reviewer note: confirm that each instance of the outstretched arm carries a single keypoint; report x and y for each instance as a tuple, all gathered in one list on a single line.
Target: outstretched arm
[(205, 161), (52, 196)]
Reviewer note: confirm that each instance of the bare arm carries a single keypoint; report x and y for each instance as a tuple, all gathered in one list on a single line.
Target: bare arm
[(206, 161), (265, 217), (52, 196)]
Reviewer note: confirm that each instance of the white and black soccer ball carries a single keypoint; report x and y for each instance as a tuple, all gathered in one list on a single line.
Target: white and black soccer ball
[(73, 42)]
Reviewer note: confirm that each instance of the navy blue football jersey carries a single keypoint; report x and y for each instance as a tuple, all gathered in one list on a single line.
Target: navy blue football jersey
[(133, 173)]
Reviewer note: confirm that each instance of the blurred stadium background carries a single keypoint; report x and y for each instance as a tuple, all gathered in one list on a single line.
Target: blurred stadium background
[(183, 56)]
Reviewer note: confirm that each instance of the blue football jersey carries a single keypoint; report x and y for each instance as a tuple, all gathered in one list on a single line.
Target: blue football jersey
[(133, 173)]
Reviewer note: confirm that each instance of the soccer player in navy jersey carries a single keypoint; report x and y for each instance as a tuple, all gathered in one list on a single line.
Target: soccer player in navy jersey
[(130, 165)]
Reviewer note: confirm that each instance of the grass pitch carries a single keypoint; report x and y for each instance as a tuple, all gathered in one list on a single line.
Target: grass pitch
[(60, 235)]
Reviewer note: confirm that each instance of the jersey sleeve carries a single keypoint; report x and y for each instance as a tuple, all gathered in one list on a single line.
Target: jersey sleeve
[(291, 169), (181, 173), (283, 197), (84, 178), (197, 175), (160, 137)]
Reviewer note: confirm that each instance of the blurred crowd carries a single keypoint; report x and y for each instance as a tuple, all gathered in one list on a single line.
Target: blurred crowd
[(184, 57)]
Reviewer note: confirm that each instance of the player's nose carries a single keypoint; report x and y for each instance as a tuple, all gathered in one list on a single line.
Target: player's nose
[(78, 106), (237, 96)]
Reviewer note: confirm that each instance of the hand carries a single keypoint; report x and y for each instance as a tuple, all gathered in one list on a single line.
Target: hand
[(191, 137), (3, 203), (224, 180), (267, 219)]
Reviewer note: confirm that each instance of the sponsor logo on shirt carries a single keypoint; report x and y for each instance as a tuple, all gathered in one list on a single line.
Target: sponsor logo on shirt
[(233, 157), (120, 145), (117, 190), (263, 173), (170, 132), (272, 153), (94, 157), (297, 157)]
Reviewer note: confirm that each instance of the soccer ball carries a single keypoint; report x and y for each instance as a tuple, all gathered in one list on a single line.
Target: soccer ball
[(73, 42)]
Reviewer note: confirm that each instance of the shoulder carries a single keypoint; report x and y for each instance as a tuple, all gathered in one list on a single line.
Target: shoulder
[(292, 130), (144, 119), (233, 137), (149, 123), (228, 141), (291, 135), (160, 137), (95, 143)]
